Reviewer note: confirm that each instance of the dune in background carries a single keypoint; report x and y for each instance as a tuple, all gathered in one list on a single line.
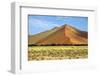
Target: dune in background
[(65, 34)]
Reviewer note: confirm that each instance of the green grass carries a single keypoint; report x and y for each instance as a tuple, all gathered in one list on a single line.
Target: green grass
[(57, 52)]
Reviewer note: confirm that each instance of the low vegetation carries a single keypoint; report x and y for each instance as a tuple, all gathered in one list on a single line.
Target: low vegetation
[(57, 52)]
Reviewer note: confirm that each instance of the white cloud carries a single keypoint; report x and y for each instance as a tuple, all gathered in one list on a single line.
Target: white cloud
[(43, 25)]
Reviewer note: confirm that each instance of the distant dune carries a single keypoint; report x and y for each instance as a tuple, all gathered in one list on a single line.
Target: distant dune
[(65, 34)]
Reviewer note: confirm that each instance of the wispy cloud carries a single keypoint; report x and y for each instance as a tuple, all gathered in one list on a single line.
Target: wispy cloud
[(38, 25)]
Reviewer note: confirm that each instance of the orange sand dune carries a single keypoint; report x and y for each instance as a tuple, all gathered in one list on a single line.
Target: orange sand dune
[(65, 34)]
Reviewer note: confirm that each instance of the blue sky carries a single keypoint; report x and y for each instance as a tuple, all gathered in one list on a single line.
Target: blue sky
[(39, 23)]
